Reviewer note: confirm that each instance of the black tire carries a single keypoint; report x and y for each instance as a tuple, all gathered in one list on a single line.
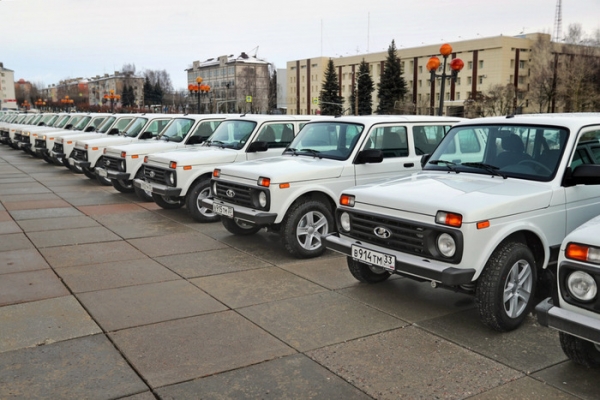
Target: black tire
[(506, 287), (168, 202), (238, 227), (580, 351), (89, 172), (122, 186), (366, 273), (199, 191), (304, 225), (142, 194)]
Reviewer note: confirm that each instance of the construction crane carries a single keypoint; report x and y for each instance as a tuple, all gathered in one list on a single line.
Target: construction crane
[(558, 22)]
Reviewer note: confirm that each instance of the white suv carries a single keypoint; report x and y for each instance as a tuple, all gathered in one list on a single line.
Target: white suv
[(87, 152), (183, 176), (295, 194), (574, 309), (122, 163), (488, 222)]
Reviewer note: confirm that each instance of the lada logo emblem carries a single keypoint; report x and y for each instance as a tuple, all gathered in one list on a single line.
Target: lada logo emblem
[(151, 174), (107, 162), (382, 232), (230, 193)]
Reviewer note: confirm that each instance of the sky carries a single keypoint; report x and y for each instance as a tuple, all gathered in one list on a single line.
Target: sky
[(45, 41)]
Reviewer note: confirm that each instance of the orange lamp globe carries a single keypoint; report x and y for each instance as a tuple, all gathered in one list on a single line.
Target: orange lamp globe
[(457, 64), (433, 64), (199, 80), (445, 50)]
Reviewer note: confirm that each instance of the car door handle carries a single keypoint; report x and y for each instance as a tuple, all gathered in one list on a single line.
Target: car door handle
[(409, 165)]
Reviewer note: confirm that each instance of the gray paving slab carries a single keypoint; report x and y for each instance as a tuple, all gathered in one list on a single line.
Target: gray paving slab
[(93, 253), (572, 378), (268, 284), (21, 287), (116, 274), (45, 213), (66, 237), (177, 243), (211, 262), (409, 300), (96, 199), (43, 322), (34, 204), (292, 377), (318, 320), (21, 260), (28, 197), (83, 368), (177, 351), (524, 388), (140, 224), (9, 227), (528, 349), (132, 306), (51, 224), (14, 241), (409, 363)]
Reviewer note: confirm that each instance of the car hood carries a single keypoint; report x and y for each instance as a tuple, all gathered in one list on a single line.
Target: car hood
[(143, 147), (197, 156), (105, 141), (475, 197), (286, 169)]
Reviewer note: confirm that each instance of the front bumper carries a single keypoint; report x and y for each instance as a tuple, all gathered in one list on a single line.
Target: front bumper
[(157, 188), (41, 152), (449, 276), (256, 217), (80, 163), (568, 321), (56, 157), (121, 176)]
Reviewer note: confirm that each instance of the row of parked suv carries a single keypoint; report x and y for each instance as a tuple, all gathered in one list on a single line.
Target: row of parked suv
[(501, 208)]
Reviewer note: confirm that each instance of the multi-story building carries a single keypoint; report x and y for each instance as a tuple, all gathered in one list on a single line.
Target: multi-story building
[(237, 84), (99, 86), (8, 99), (488, 62)]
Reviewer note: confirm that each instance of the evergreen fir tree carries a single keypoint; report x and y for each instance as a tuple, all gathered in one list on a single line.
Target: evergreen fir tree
[(392, 86), (158, 93), (148, 92), (330, 100), (364, 88)]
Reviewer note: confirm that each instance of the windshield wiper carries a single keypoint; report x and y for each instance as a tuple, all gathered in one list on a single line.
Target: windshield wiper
[(449, 164), (217, 142), (315, 153), (292, 150), (492, 169)]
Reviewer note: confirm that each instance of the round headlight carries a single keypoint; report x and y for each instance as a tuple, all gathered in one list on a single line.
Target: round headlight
[(262, 199), (446, 245), (582, 286), (345, 221), (171, 178)]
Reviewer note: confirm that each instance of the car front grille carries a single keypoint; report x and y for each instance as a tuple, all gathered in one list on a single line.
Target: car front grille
[(40, 143), (154, 174), (79, 154), (58, 148), (234, 193), (110, 163)]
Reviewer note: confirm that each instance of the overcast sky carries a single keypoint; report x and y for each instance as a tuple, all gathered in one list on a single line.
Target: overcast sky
[(45, 41)]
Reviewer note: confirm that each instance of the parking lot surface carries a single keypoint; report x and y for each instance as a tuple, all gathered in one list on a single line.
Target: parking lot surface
[(106, 297)]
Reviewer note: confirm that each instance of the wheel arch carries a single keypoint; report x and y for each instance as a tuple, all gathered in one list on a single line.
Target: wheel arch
[(315, 195)]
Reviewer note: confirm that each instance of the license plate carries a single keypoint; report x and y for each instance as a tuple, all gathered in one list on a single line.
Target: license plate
[(373, 258), (102, 172), (146, 187), (223, 210)]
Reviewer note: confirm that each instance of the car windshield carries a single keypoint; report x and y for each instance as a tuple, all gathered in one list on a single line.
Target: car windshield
[(519, 151), (334, 140), (62, 121), (82, 123), (106, 124), (177, 130), (73, 122), (49, 120), (232, 134), (136, 127), (122, 123)]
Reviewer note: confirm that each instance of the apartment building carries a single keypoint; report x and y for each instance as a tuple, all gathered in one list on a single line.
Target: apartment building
[(237, 84), (98, 86), (497, 60), (8, 100)]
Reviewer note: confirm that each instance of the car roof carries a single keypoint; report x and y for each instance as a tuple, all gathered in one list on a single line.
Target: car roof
[(569, 120)]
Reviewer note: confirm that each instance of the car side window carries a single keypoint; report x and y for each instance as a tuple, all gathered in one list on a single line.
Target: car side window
[(587, 150), (391, 140), (277, 135)]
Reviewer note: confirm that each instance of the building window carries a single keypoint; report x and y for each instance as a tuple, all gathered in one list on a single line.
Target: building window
[(457, 95), (480, 63), (458, 81), (481, 79), (469, 80), (468, 95), (420, 83), (522, 64), (512, 63), (420, 69), (470, 65)]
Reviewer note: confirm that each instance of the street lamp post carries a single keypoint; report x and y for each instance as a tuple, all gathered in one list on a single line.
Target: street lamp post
[(198, 89), (111, 96), (39, 103), (26, 105), (434, 63), (67, 102)]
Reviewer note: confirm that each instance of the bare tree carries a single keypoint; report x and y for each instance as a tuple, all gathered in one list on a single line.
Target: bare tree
[(541, 78)]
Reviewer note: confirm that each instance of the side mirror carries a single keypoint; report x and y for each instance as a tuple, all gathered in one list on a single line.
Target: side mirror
[(196, 140), (89, 129), (424, 159), (69, 126), (586, 174), (146, 135), (256, 147), (113, 131), (370, 156)]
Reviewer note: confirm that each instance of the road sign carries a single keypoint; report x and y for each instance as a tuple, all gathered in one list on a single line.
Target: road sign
[(248, 99)]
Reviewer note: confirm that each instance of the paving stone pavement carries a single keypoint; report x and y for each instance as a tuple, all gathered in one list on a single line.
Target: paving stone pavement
[(106, 297)]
